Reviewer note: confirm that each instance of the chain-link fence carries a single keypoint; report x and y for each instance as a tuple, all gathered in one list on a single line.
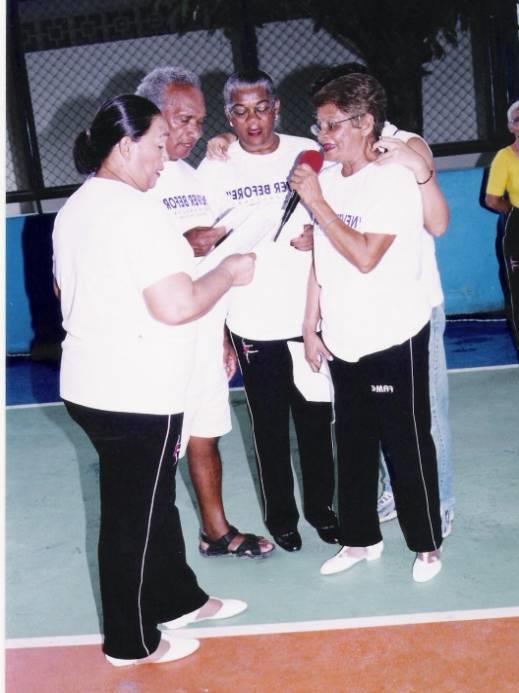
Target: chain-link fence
[(77, 54)]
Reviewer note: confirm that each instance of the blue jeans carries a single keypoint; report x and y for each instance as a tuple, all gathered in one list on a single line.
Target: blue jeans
[(439, 398)]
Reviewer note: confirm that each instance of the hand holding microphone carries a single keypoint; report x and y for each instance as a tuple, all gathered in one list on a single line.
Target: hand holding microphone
[(308, 163)]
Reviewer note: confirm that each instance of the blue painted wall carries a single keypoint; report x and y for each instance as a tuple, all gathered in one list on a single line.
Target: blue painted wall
[(466, 257), (467, 252), (18, 316)]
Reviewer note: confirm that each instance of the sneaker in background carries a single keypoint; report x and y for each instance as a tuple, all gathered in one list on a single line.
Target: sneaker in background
[(386, 507), (447, 520)]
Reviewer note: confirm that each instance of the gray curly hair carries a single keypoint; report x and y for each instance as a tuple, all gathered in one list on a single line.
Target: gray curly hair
[(511, 110), (153, 86)]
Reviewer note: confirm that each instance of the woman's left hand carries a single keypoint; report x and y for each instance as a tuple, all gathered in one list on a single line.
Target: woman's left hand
[(315, 351), (394, 151), (305, 241)]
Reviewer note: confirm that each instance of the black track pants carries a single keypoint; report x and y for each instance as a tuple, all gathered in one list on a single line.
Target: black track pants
[(383, 399), (271, 393), (144, 577)]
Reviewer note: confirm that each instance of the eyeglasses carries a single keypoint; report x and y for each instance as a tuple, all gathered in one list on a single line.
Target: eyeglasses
[(261, 110), (331, 125), (515, 120)]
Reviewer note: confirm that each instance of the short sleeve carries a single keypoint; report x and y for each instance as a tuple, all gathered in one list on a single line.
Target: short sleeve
[(214, 177), (396, 205), (153, 248), (497, 178)]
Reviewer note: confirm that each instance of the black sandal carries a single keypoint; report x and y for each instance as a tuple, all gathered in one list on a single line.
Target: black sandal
[(249, 548)]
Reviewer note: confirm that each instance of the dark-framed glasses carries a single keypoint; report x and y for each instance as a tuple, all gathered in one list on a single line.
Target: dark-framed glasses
[(331, 125), (261, 110)]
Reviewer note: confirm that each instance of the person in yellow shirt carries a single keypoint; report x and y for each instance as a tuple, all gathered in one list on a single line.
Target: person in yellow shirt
[(502, 195)]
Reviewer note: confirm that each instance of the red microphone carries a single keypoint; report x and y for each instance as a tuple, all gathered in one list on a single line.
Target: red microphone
[(314, 158)]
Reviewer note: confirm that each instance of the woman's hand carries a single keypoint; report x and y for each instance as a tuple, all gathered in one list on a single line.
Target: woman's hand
[(394, 151), (240, 268), (315, 351), (305, 241), (305, 182), (203, 238), (218, 146)]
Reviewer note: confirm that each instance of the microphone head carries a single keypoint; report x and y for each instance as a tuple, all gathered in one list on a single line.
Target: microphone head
[(314, 159)]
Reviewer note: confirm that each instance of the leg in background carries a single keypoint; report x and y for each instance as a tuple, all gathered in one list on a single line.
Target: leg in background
[(266, 368), (511, 258), (205, 469), (440, 426)]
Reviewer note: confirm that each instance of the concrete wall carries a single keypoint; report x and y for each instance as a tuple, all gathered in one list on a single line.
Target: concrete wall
[(466, 257)]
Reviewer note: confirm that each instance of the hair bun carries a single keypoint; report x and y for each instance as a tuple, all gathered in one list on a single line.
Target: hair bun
[(84, 153)]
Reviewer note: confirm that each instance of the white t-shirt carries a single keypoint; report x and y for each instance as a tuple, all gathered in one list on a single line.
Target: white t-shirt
[(366, 312), (182, 194), (110, 243), (272, 305), (430, 266)]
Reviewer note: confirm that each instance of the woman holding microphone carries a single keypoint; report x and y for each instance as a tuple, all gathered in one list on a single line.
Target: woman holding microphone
[(374, 308)]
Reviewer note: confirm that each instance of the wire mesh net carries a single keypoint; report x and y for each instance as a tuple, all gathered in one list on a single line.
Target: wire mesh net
[(79, 54)]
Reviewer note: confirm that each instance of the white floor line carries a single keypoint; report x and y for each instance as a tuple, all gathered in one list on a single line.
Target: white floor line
[(34, 405), (240, 387), (297, 627), (483, 368)]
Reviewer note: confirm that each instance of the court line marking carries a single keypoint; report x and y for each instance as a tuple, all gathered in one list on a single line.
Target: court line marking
[(34, 405), (483, 368), (240, 388), (297, 627)]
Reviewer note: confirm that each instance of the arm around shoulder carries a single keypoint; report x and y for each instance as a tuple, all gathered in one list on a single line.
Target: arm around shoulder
[(435, 208)]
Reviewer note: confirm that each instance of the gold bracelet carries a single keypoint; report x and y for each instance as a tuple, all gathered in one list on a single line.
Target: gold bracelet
[(323, 226), (423, 182)]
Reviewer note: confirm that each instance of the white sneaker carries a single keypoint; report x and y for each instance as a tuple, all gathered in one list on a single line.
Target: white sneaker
[(426, 566), (229, 607), (346, 559), (447, 520), (169, 650), (386, 507)]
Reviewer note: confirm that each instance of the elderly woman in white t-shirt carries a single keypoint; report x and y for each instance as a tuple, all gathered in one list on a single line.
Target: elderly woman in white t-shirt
[(369, 298), (129, 304)]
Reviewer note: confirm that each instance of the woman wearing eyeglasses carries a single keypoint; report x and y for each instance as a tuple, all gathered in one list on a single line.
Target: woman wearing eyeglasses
[(373, 303), (502, 195), (266, 319)]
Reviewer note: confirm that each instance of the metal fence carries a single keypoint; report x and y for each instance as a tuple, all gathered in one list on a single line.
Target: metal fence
[(65, 58)]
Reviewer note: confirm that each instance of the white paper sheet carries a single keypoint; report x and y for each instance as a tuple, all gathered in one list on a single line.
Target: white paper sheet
[(247, 226)]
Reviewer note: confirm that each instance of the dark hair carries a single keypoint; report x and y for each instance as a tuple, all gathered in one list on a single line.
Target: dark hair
[(356, 93), (121, 116), (335, 71), (247, 78)]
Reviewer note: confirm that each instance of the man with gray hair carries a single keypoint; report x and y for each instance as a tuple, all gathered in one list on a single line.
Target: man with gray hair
[(176, 91)]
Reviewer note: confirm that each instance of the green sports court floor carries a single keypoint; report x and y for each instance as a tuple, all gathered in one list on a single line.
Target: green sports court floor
[(52, 520)]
